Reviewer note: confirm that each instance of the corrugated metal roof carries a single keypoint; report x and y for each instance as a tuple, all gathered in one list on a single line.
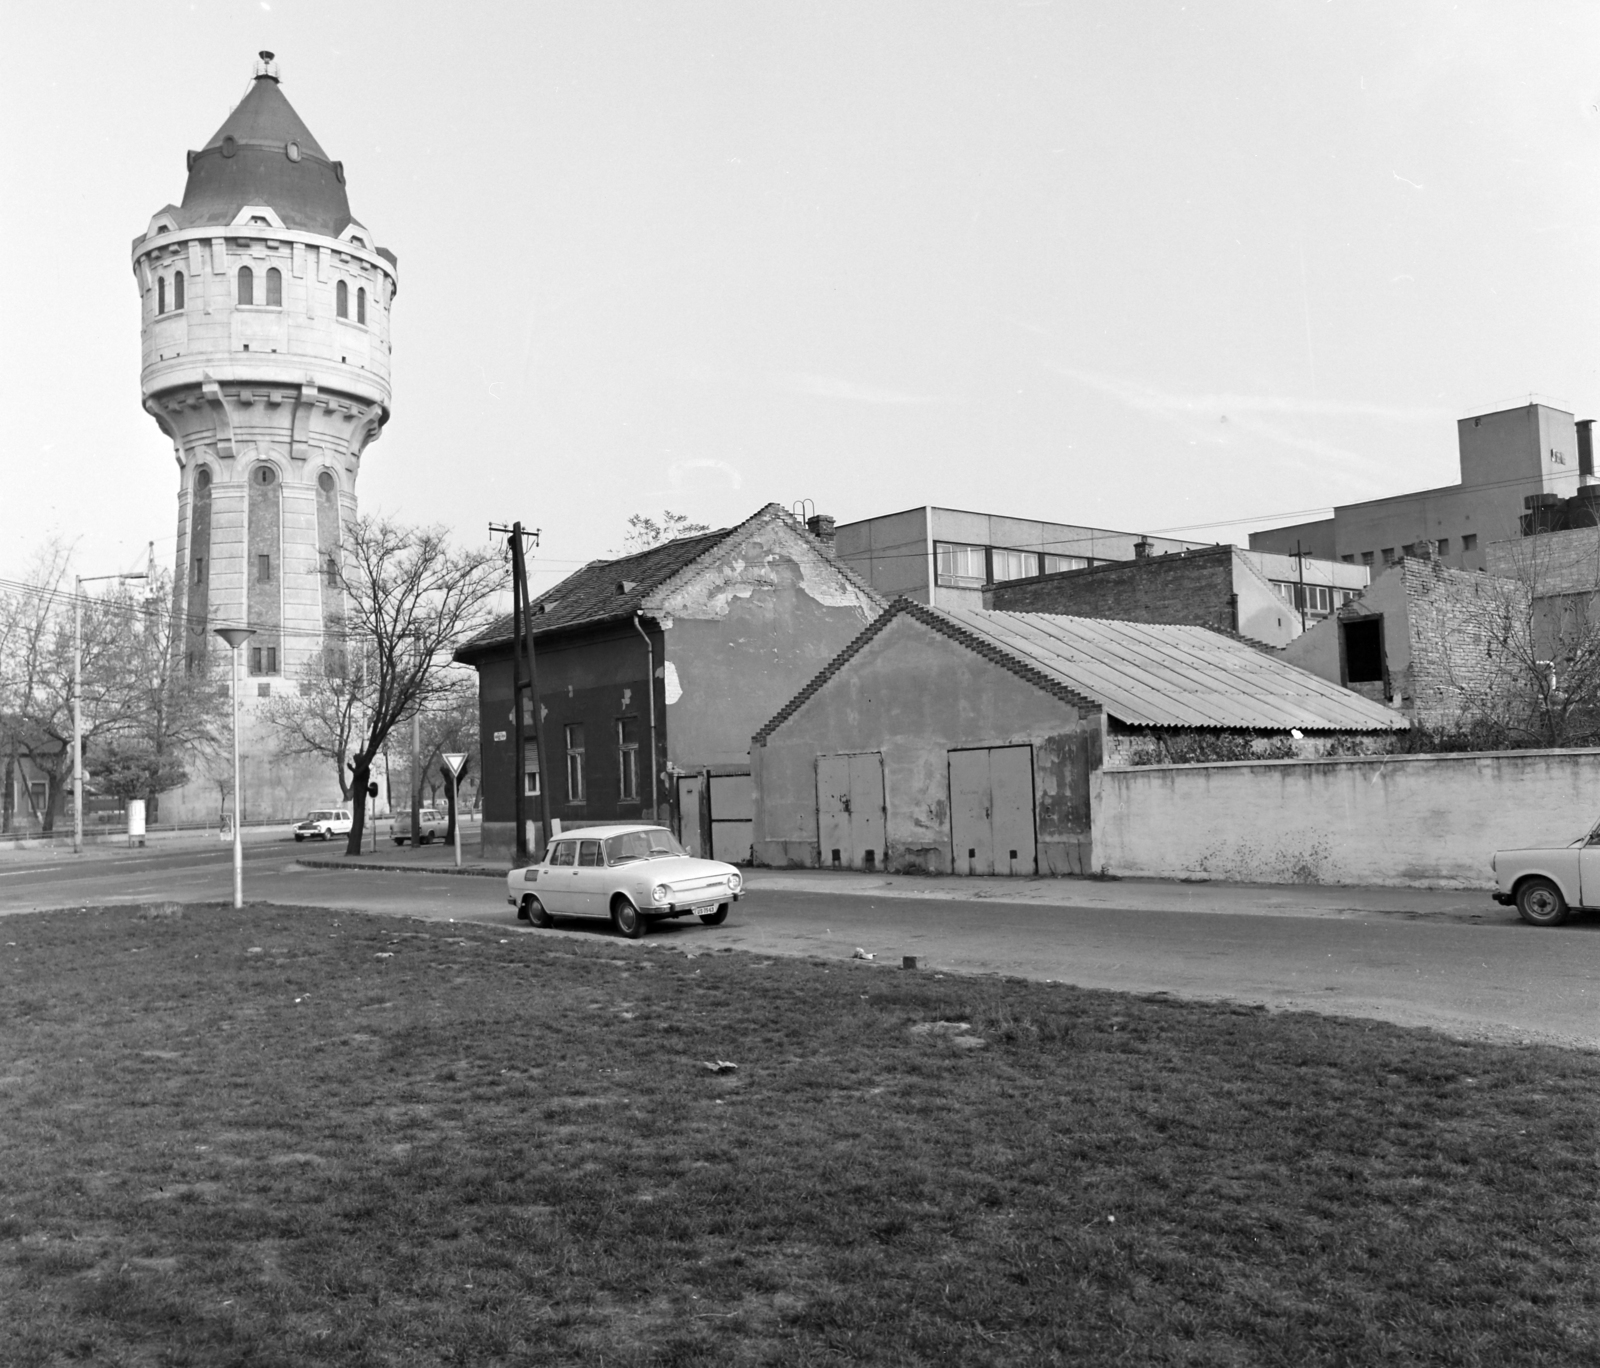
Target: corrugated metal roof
[(1156, 675)]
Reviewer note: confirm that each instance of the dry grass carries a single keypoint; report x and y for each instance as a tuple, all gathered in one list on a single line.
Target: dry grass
[(297, 1137)]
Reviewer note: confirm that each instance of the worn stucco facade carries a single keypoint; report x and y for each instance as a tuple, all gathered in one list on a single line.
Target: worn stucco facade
[(915, 697)]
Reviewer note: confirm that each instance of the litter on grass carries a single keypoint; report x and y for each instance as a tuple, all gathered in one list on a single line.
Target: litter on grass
[(862, 954), (721, 1066)]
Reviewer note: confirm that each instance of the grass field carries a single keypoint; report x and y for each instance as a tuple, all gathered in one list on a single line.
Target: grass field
[(290, 1137)]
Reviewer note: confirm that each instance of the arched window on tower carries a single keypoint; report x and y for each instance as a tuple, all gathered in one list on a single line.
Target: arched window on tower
[(161, 294), (177, 291), (361, 305), (341, 300), (247, 285), (274, 288)]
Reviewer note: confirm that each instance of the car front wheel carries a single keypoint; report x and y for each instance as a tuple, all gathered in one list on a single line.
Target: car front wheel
[(299, 836), (625, 917), (715, 918), (1539, 903)]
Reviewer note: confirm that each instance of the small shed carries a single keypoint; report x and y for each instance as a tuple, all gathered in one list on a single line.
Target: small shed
[(968, 741)]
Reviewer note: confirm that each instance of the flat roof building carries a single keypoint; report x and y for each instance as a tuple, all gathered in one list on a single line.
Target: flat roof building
[(1522, 470)]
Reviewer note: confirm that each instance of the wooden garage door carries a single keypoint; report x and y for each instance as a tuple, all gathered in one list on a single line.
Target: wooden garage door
[(991, 811), (850, 811)]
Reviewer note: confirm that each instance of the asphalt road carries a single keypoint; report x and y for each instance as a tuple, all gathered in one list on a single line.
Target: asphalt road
[(1498, 981)]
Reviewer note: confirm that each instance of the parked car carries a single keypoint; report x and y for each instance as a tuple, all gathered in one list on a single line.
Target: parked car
[(631, 874), (324, 825), (431, 823), (1544, 883)]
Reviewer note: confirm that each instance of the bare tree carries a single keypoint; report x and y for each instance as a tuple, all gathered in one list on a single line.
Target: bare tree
[(37, 671), (1525, 666), (645, 532), (408, 599), (173, 709)]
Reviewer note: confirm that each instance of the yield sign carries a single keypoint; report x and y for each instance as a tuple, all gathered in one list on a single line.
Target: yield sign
[(455, 762)]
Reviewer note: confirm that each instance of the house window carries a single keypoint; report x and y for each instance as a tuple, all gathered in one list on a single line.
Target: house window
[(272, 660), (38, 792), (177, 290), (575, 792), (961, 565), (1444, 546), (1350, 559), (1470, 542), (333, 570), (199, 569), (274, 288), (265, 474), (1409, 549), (1010, 565), (530, 769), (1363, 651), (341, 300), (263, 569), (255, 660), (161, 294), (1054, 565), (1366, 558), (247, 285), (1388, 555), (361, 305), (628, 759)]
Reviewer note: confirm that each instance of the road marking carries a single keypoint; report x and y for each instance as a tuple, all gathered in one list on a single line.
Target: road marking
[(37, 869)]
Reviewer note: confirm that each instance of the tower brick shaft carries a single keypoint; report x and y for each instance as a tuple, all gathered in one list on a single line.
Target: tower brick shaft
[(266, 342)]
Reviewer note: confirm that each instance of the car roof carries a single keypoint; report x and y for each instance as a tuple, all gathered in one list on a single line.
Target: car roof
[(599, 833)]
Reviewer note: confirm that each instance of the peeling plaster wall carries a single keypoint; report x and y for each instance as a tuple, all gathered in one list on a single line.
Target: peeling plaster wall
[(1414, 821), (913, 695), (746, 633)]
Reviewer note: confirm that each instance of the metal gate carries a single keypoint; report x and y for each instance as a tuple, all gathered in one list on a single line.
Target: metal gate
[(991, 811), (850, 811)]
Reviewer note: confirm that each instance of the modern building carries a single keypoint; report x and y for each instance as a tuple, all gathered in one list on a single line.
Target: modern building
[(654, 671), (945, 557), (1257, 594), (1523, 470), (969, 742), (266, 338)]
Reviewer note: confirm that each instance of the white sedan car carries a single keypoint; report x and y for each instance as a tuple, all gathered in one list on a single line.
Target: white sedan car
[(629, 874)]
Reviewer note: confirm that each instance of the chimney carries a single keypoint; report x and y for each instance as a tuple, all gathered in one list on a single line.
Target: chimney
[(820, 526), (1141, 549), (1585, 428)]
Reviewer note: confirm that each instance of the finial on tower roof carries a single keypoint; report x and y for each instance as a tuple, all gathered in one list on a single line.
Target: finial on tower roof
[(266, 67)]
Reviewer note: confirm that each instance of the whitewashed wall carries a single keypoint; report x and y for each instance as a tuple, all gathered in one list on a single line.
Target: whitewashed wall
[(1410, 821)]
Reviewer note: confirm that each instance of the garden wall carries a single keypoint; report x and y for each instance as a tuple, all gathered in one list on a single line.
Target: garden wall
[(1410, 820)]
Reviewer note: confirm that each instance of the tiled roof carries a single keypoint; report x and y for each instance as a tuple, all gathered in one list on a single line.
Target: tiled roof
[(599, 592), (1142, 674), (610, 590)]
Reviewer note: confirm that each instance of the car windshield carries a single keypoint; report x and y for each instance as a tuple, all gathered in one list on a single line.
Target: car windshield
[(649, 844)]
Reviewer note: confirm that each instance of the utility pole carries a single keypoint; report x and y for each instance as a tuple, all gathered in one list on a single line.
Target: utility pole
[(523, 655), (77, 695), (1300, 591)]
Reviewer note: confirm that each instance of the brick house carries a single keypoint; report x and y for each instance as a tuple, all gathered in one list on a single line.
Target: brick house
[(654, 672)]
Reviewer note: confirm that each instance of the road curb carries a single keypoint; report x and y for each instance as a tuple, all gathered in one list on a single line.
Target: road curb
[(405, 869)]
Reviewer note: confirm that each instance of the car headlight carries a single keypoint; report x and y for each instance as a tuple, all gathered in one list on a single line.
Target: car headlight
[(661, 893), (734, 883)]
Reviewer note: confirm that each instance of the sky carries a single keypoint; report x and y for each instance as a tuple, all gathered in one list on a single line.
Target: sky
[(1155, 267)]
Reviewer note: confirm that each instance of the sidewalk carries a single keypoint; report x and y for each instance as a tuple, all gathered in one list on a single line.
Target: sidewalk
[(1147, 895)]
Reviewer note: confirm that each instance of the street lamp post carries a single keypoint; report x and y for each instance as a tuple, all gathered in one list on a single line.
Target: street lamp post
[(236, 638), (454, 763)]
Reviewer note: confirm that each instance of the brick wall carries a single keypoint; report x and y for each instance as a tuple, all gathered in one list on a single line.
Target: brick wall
[(1191, 587), (1459, 623)]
